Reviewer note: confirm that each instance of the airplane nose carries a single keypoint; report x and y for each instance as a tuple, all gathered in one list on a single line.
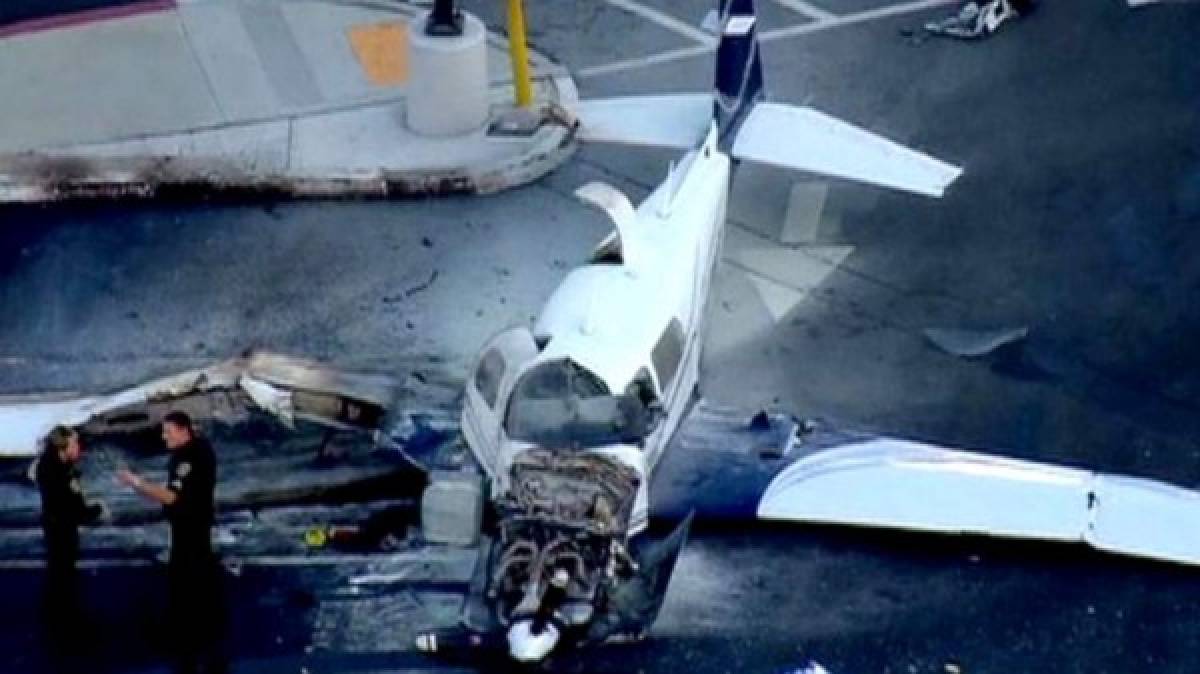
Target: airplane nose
[(427, 643), (526, 645)]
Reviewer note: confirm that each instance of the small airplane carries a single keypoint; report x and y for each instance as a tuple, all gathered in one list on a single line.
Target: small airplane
[(589, 422), (570, 420)]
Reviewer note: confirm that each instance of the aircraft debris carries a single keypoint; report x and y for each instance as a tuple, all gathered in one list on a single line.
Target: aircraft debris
[(287, 388), (977, 19), (974, 343)]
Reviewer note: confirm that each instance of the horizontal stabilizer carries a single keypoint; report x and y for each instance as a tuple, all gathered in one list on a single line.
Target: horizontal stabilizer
[(890, 483), (807, 140), (671, 121)]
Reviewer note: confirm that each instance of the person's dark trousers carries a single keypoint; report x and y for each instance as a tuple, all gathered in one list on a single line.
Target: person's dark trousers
[(61, 592), (196, 607), (62, 612)]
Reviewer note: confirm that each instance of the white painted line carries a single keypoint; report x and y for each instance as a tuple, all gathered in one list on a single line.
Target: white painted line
[(851, 19), (1143, 3), (644, 61), (777, 34), (666, 21), (776, 297), (807, 9)]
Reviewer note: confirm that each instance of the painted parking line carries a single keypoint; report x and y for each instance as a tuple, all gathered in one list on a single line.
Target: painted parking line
[(856, 18), (768, 36), (665, 20), (807, 9), (644, 61), (84, 17)]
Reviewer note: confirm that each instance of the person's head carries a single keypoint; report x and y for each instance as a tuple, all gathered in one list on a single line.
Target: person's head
[(177, 430), (64, 442)]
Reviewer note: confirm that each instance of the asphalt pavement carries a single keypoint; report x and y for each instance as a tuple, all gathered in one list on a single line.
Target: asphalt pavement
[(1076, 217), (24, 10)]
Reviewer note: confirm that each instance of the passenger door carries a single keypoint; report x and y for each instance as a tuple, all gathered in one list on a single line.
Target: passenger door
[(488, 386)]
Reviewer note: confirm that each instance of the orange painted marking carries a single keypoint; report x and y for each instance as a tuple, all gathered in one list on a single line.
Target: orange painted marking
[(382, 51)]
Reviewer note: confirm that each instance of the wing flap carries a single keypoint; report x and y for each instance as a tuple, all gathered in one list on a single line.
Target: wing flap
[(807, 140), (1145, 518)]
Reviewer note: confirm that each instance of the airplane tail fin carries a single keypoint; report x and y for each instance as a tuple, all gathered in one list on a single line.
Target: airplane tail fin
[(738, 84), (750, 129)]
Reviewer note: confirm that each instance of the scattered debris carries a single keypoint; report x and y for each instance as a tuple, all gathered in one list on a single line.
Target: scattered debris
[(288, 388), (813, 667), (978, 19), (974, 343), (952, 668)]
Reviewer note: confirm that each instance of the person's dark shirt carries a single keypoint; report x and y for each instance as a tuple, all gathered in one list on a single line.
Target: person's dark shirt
[(192, 475), (63, 504)]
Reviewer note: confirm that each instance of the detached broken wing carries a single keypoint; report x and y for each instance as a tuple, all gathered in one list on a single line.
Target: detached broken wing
[(885, 482), (285, 387)]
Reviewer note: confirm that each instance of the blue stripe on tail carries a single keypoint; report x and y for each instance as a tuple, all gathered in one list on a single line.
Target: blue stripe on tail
[(739, 77)]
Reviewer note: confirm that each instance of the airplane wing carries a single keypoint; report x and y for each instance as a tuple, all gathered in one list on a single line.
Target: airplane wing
[(804, 139), (676, 121), (733, 469)]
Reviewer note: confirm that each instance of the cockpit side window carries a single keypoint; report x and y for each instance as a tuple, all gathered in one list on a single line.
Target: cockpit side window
[(488, 376), (667, 354)]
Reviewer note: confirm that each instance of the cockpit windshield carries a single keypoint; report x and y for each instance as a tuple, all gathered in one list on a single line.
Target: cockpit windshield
[(560, 404)]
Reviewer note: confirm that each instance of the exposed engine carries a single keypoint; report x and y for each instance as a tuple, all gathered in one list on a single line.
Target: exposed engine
[(561, 540)]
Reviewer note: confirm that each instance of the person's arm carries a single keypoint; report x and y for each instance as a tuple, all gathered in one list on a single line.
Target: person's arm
[(149, 490), (81, 511), (53, 490)]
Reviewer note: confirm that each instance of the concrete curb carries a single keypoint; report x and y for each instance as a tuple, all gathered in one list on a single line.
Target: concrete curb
[(93, 172)]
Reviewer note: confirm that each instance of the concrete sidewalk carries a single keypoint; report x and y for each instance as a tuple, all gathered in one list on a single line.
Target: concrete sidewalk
[(295, 97)]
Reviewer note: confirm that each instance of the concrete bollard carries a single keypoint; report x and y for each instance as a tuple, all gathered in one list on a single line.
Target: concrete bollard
[(448, 92)]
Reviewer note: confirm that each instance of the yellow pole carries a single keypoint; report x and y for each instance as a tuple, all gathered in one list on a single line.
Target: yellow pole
[(519, 53)]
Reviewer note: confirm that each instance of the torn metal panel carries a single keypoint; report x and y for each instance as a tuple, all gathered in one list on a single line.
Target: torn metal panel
[(285, 387), (885, 482), (276, 401)]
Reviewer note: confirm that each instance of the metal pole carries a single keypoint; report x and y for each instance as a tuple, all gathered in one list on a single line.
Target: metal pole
[(444, 20), (519, 53)]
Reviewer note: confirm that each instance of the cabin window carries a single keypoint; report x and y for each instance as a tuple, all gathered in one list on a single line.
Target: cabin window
[(559, 404), (487, 378), (668, 353)]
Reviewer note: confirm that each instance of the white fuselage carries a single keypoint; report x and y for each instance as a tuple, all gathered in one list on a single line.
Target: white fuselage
[(634, 319)]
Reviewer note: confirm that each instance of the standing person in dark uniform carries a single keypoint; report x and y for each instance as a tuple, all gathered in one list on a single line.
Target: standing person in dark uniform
[(187, 498), (63, 510)]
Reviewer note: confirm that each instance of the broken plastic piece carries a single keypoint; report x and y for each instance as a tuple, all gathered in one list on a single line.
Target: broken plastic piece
[(974, 343)]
